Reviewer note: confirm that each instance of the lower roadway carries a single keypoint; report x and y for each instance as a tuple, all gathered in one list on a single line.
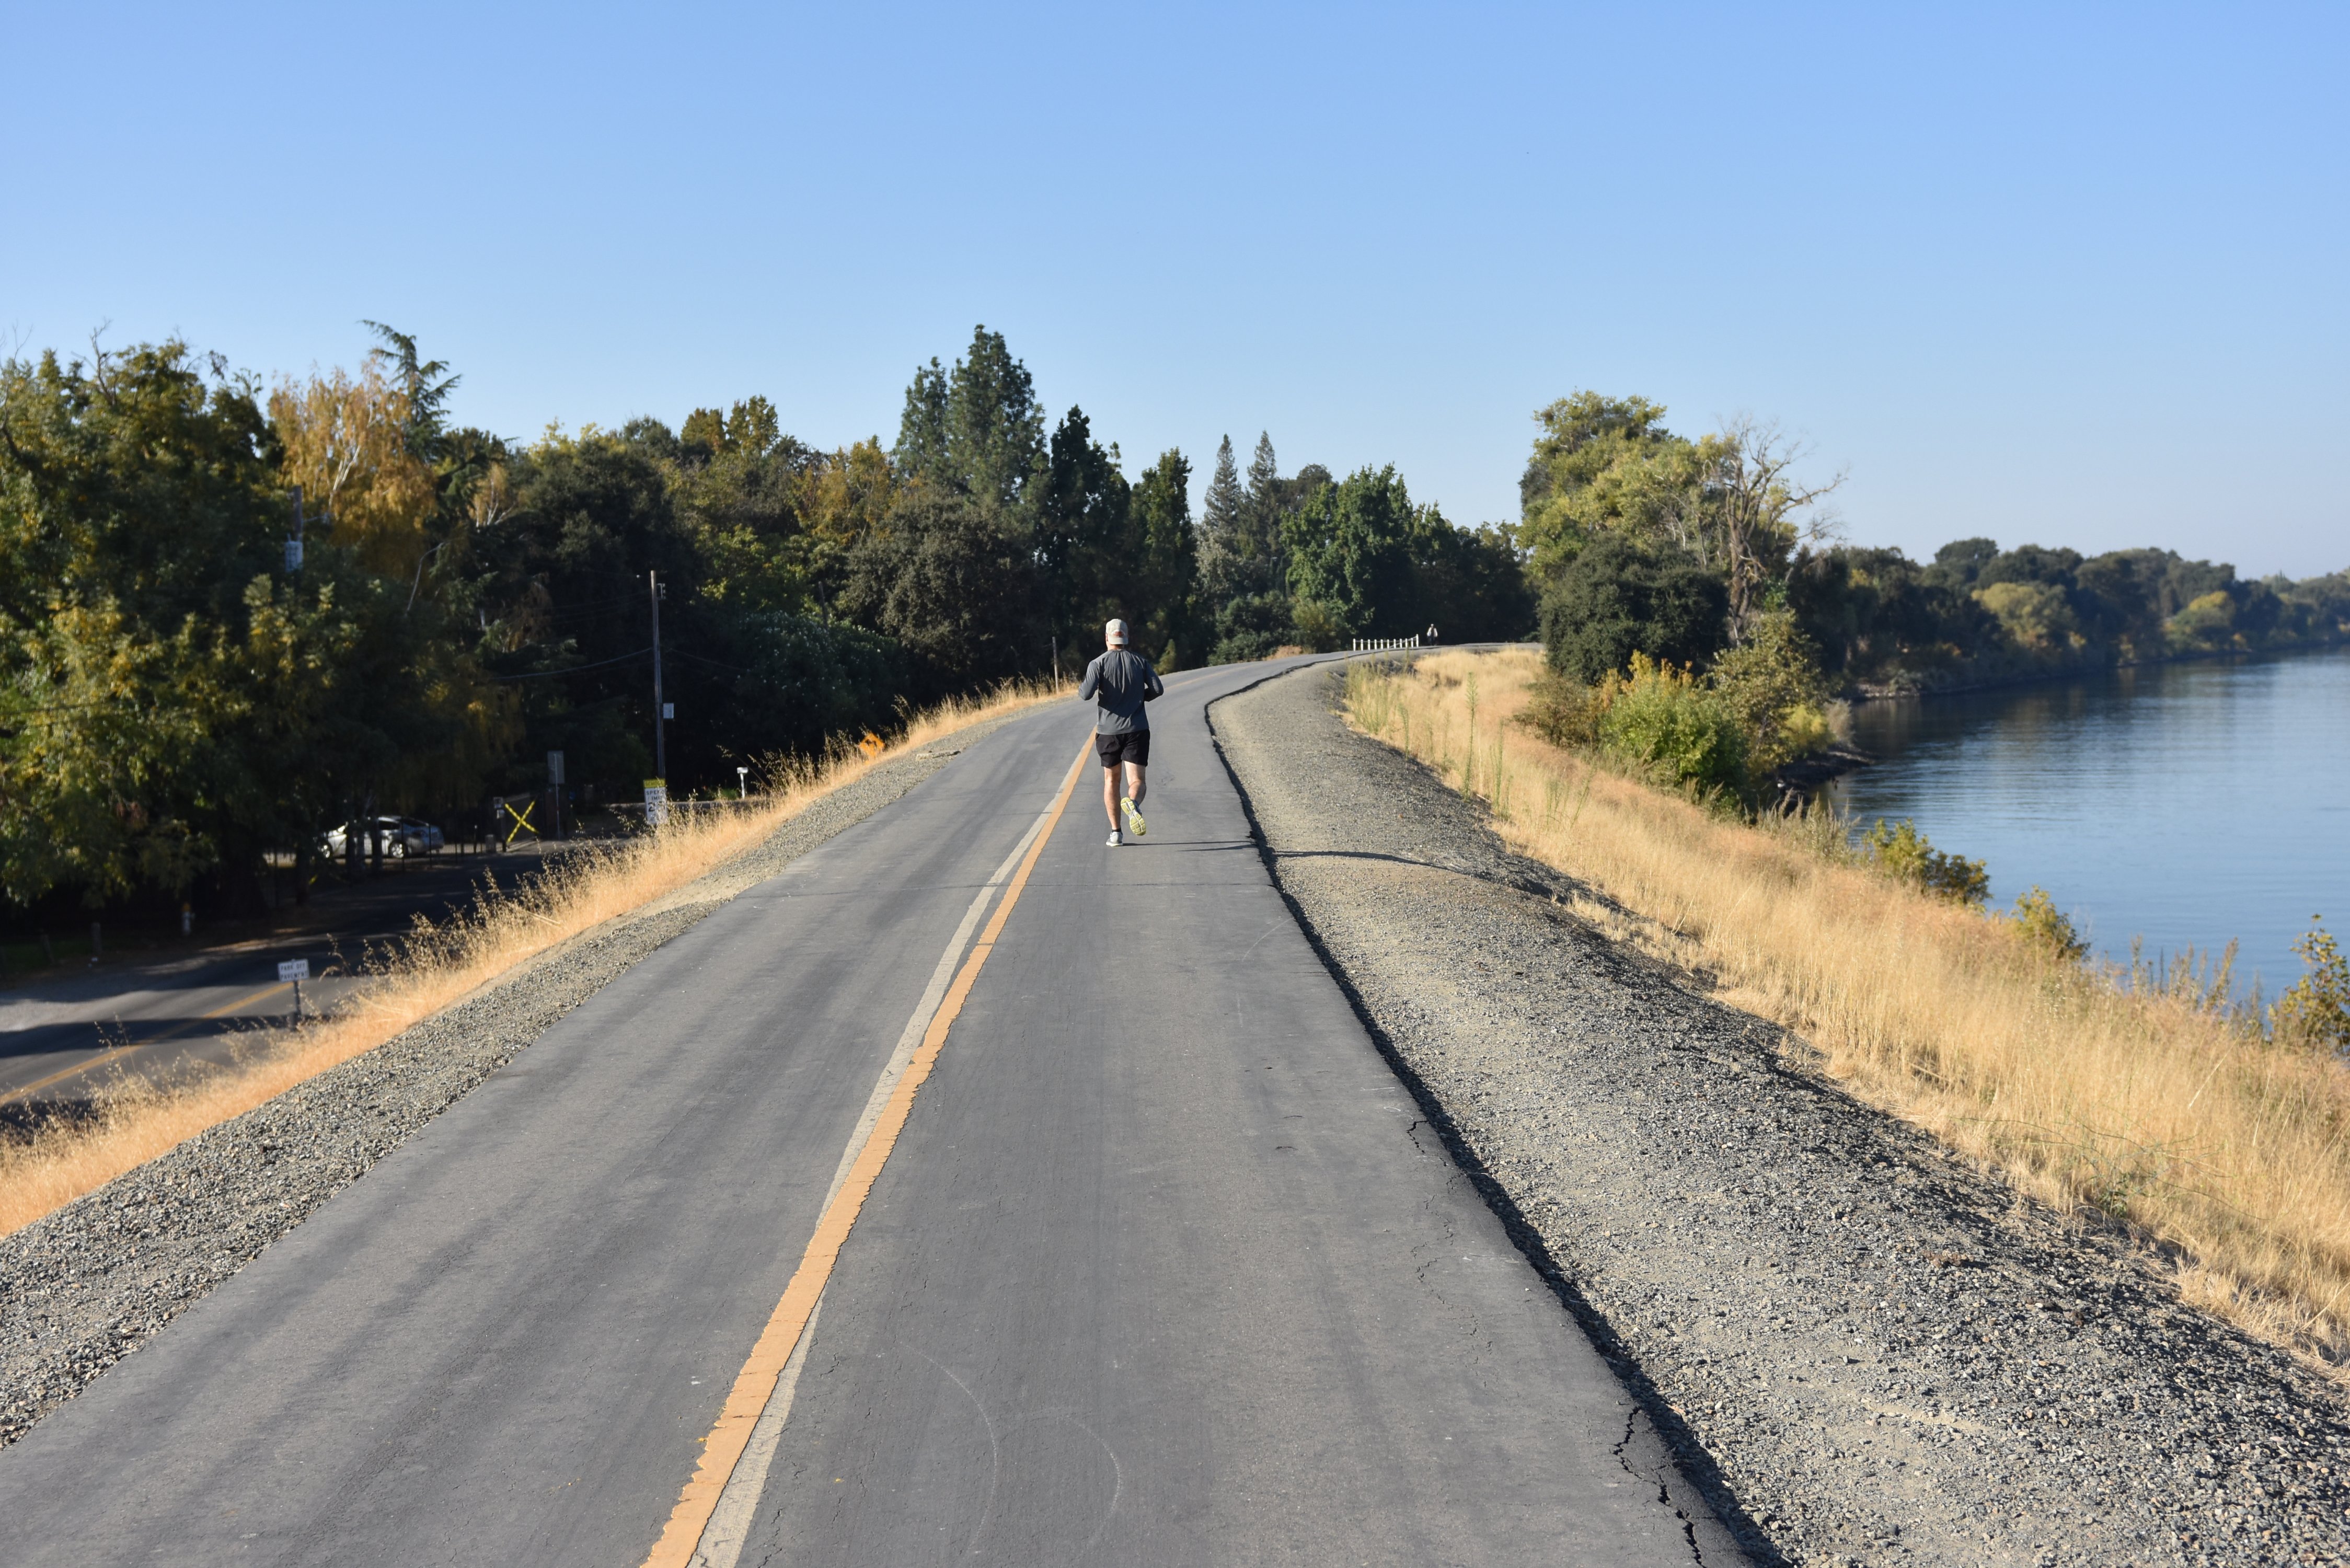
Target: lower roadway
[(1161, 1270)]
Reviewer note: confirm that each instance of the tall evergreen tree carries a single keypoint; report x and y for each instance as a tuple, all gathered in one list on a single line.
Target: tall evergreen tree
[(1160, 588), (922, 449), (1085, 540), (975, 429), (1221, 519), (1263, 477), (1268, 498), (1220, 506), (996, 429)]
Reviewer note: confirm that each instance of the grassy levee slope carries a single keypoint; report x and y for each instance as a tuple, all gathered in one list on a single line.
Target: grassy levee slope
[(440, 966), (2152, 1107)]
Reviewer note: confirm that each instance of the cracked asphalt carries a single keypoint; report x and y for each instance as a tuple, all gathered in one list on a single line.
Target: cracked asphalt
[(1861, 1349), (1167, 1266)]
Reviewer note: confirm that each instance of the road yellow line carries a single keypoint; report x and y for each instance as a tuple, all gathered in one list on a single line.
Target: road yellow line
[(756, 1383), (103, 1057)]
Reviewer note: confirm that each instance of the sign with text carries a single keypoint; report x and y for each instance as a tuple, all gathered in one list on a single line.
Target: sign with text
[(294, 968)]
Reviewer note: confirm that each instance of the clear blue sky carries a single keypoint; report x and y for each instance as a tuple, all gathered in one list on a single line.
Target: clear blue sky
[(2068, 275)]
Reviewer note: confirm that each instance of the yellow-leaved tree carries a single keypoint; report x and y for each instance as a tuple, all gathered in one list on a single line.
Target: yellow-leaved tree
[(345, 439)]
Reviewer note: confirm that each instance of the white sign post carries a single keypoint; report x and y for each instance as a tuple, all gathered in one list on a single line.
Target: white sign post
[(655, 803), (297, 971)]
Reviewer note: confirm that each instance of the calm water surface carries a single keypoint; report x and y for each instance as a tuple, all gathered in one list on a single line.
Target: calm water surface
[(2186, 803)]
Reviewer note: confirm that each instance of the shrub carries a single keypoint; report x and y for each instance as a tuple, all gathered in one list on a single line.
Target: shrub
[(1318, 625), (2040, 922), (1902, 853), (1562, 710), (1251, 627), (2316, 1011), (1661, 717), (1771, 686)]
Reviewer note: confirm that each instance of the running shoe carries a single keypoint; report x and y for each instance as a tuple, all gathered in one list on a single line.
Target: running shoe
[(1133, 818), (1112, 840)]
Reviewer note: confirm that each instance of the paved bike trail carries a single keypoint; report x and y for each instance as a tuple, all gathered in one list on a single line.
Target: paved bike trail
[(1162, 1270)]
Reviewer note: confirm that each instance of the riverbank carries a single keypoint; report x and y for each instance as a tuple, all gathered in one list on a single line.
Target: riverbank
[(1859, 1345), (1871, 691), (2149, 1109)]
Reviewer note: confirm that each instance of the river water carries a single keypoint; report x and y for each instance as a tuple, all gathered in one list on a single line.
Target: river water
[(2188, 805)]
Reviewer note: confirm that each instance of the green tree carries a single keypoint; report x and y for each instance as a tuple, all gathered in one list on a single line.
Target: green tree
[(1350, 549), (1268, 500), (1245, 581), (565, 613), (174, 700), (952, 586), (976, 428), (1472, 584), (1087, 546), (738, 485), (1161, 593), (1615, 599), (923, 448), (995, 426), (1595, 460), (1223, 550)]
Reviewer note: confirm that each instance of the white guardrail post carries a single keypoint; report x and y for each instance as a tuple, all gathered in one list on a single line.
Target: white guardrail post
[(1383, 644)]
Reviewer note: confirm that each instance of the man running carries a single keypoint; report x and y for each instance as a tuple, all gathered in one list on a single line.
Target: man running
[(1121, 681)]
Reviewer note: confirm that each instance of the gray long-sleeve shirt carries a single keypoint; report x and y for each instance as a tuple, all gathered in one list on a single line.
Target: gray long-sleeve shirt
[(1122, 681)]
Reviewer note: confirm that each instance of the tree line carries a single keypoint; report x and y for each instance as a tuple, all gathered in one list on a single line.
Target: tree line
[(1699, 610), (1646, 540), (181, 694)]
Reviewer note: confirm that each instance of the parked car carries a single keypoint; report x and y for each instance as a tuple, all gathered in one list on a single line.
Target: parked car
[(403, 837)]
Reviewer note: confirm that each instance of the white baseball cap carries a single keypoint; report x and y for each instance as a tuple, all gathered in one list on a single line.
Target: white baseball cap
[(1115, 632)]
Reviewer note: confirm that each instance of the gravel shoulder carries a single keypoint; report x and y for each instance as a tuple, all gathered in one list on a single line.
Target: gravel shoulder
[(86, 1286), (1860, 1348)]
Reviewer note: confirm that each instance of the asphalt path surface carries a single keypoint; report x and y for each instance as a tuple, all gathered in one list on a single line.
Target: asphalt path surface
[(1161, 1270)]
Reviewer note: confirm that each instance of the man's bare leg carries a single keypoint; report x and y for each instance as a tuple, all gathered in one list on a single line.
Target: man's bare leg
[(1109, 796), (1135, 788)]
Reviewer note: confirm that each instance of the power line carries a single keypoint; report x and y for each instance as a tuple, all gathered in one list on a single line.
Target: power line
[(552, 674)]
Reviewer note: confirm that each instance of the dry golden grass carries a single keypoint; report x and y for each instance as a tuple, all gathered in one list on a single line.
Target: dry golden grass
[(2145, 1106), (588, 887)]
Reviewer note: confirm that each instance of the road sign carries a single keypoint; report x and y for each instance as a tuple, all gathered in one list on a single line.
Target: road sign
[(554, 767), (294, 968)]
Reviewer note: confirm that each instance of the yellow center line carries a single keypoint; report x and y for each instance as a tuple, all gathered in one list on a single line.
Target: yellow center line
[(756, 1383), (103, 1057)]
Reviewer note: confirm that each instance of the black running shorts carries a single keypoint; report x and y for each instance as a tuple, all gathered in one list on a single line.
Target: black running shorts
[(1134, 746)]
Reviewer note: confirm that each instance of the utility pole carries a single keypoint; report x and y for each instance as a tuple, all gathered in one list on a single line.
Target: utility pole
[(660, 712)]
